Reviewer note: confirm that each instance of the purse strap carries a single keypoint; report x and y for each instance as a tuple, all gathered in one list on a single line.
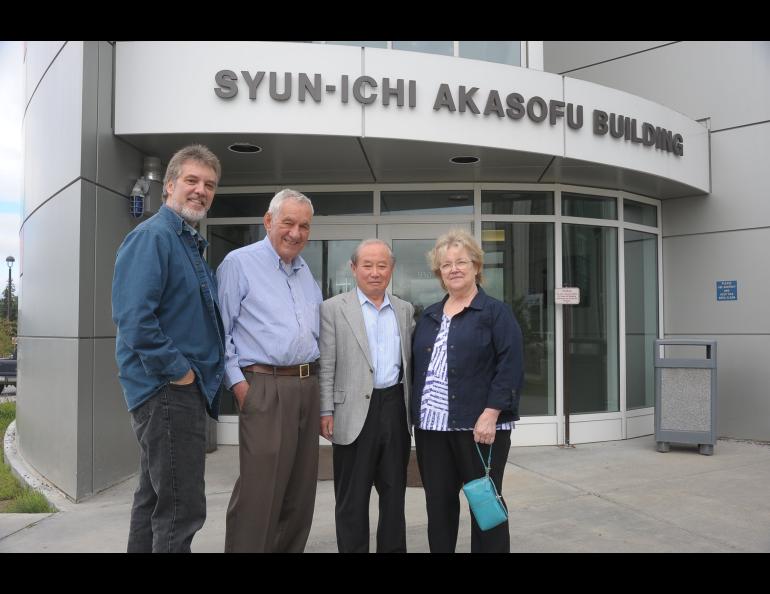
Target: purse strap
[(488, 464), (487, 468)]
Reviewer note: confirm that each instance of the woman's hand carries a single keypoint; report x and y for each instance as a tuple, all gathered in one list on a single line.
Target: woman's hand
[(486, 426)]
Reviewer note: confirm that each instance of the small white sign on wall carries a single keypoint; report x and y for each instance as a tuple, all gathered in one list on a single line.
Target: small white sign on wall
[(567, 296)]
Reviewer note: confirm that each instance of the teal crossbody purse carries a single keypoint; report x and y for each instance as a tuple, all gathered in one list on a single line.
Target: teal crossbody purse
[(485, 502)]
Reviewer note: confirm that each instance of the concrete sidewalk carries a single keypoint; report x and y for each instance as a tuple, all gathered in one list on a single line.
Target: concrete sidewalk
[(605, 497)]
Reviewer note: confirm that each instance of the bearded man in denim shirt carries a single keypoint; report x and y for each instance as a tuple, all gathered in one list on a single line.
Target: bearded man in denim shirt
[(170, 354)]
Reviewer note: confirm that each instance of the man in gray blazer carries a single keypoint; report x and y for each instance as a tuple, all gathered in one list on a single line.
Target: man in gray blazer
[(365, 343)]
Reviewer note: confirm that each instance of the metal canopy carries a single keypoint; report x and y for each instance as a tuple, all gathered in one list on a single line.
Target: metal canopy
[(311, 159)]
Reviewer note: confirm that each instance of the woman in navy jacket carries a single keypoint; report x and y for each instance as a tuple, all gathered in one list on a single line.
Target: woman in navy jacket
[(468, 370)]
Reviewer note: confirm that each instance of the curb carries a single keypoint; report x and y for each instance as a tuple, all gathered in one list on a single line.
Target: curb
[(29, 476)]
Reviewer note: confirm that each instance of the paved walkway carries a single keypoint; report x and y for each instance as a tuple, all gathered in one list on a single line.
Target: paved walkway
[(604, 497)]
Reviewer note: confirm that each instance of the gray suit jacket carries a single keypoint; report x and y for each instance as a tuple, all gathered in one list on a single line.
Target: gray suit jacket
[(346, 372)]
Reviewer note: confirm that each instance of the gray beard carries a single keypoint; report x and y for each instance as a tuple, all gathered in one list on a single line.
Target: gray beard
[(192, 216)]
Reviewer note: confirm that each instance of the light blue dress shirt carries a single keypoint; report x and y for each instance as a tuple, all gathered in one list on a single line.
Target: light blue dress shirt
[(269, 310), (384, 340)]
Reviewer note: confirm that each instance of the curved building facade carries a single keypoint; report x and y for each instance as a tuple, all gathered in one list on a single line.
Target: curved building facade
[(622, 169)]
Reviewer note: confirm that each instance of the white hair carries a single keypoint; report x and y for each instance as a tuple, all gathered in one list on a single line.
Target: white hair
[(287, 194)]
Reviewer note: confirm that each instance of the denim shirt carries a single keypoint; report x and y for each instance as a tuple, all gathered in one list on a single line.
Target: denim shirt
[(485, 360), (164, 303)]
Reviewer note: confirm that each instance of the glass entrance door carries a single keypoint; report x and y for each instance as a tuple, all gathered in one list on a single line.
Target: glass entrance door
[(591, 360), (413, 279)]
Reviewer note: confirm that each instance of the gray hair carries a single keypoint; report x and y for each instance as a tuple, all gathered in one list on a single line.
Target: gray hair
[(364, 243), (194, 152), (283, 196)]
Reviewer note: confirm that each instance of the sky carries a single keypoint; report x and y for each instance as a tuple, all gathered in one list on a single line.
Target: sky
[(11, 166)]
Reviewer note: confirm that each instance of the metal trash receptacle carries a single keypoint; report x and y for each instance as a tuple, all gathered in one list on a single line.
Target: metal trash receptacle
[(686, 396)]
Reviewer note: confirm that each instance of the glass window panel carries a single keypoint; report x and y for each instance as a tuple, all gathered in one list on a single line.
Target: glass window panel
[(239, 205), (514, 202), (589, 261), (225, 238), (641, 269), (429, 202), (445, 48), (518, 267), (341, 203), (329, 261), (382, 44), (413, 279), (504, 52), (592, 207), (640, 213)]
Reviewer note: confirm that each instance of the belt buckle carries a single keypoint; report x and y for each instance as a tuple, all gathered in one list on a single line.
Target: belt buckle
[(304, 370)]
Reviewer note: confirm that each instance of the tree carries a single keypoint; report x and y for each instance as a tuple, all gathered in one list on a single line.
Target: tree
[(14, 304), (7, 333)]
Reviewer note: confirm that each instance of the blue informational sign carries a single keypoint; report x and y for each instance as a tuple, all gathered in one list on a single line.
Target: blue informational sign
[(727, 290)]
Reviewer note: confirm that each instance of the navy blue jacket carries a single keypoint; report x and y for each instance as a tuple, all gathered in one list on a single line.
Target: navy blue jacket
[(164, 303), (485, 360)]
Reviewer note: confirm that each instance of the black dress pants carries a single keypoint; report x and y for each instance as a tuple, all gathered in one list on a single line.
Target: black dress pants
[(379, 457), (447, 460)]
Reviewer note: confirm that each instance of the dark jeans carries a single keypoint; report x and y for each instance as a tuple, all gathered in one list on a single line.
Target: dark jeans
[(170, 501), (447, 460)]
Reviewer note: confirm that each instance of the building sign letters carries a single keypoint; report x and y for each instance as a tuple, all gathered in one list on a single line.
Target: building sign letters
[(366, 90)]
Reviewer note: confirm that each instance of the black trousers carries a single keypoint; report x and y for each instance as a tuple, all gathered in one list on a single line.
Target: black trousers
[(447, 460), (379, 457)]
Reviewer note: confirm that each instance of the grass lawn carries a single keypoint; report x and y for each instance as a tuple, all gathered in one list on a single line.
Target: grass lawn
[(13, 497)]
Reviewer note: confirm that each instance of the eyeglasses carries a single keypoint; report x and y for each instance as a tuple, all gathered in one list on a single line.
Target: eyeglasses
[(460, 265)]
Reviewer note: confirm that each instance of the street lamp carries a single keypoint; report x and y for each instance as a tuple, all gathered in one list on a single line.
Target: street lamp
[(9, 260)]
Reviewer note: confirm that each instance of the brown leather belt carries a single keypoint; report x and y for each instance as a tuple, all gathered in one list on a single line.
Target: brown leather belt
[(304, 370)]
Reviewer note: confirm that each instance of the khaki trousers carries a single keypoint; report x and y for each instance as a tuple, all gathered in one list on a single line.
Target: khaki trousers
[(271, 508)]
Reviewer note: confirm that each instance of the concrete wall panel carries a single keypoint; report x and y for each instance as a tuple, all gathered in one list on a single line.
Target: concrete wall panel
[(113, 223), (118, 163), (728, 81), (52, 130), (86, 260), (51, 267), (562, 56), (738, 198), (116, 454), (47, 417), (40, 55), (691, 267)]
